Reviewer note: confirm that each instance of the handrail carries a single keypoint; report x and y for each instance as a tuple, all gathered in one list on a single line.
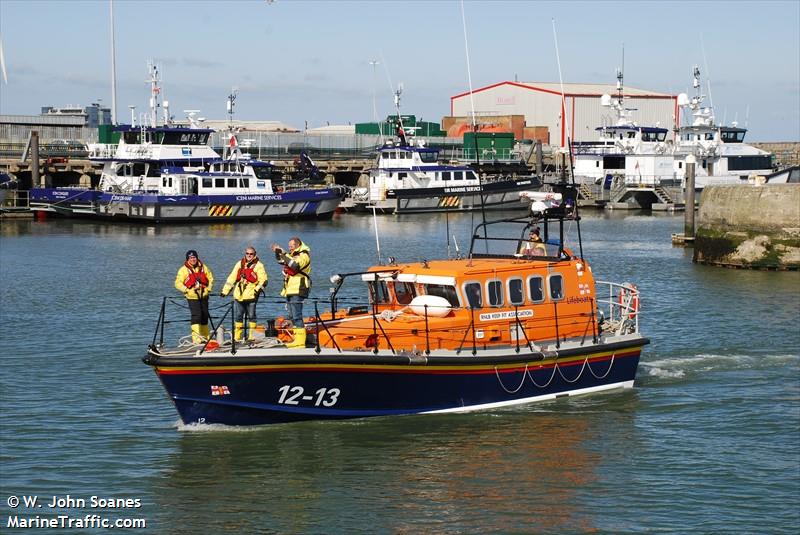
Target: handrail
[(614, 309)]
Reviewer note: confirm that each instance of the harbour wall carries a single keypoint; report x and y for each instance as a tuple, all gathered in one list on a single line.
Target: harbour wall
[(749, 226)]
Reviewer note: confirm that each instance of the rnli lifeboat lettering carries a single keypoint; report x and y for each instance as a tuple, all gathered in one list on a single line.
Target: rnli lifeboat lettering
[(220, 210), (493, 316)]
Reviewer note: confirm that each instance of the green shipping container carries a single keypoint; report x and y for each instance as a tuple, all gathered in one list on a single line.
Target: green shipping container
[(490, 145), (106, 134)]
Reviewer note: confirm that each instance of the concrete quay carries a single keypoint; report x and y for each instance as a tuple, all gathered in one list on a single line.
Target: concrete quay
[(749, 226)]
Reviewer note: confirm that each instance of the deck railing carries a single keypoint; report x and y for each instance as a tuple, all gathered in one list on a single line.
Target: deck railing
[(614, 312)]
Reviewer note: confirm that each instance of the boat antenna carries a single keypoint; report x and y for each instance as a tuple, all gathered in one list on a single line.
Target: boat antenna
[(474, 128), (401, 131), (375, 64), (232, 149), (231, 104), (155, 92), (708, 73), (113, 68), (447, 230), (566, 124), (377, 239)]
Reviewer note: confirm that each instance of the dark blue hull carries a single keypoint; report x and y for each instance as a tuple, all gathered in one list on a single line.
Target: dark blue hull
[(271, 390), (291, 205)]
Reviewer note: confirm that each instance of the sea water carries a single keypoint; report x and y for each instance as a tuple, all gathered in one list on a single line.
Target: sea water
[(708, 441)]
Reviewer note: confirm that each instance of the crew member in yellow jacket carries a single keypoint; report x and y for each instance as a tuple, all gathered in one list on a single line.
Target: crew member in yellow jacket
[(296, 284), (247, 279), (195, 280)]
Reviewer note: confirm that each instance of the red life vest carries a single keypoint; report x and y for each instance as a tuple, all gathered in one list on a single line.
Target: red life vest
[(291, 272), (246, 271), (196, 276)]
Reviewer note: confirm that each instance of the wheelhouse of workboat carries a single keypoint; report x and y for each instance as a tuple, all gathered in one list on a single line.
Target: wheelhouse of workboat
[(414, 167)]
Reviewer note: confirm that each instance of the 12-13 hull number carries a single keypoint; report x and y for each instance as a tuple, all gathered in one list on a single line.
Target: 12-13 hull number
[(293, 395)]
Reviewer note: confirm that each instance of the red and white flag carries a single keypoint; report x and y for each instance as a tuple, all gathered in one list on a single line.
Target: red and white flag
[(219, 390)]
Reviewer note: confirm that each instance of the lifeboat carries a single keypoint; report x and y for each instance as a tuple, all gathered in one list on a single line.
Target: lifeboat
[(499, 327)]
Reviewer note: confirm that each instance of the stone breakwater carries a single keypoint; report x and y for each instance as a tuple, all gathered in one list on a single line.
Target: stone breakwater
[(749, 226)]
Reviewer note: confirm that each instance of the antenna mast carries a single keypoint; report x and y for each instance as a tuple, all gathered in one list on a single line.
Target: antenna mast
[(474, 127), (231, 103), (155, 92), (113, 68), (569, 140)]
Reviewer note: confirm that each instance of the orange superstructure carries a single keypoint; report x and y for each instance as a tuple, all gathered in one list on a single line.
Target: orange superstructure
[(497, 300)]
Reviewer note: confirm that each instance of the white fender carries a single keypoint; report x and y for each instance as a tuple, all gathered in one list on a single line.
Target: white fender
[(438, 307)]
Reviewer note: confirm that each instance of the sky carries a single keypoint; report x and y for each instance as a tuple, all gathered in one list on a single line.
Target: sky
[(308, 62)]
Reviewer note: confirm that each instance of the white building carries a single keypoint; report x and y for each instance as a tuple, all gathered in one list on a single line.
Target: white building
[(541, 104)]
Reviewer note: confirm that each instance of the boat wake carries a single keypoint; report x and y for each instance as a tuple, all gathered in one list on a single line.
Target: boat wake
[(213, 428), (679, 367)]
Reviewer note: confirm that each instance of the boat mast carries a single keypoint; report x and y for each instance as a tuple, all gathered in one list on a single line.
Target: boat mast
[(232, 142), (569, 145), (113, 68), (155, 93), (474, 126)]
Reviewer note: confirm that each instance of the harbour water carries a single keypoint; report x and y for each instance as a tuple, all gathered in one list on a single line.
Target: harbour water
[(707, 442)]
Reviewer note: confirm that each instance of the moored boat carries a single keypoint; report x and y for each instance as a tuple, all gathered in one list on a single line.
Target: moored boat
[(721, 153), (520, 319), (166, 172), (408, 177)]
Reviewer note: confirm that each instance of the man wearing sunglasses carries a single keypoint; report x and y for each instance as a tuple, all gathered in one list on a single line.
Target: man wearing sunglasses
[(248, 277)]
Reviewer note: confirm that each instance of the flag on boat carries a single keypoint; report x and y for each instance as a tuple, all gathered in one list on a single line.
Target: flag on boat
[(219, 390)]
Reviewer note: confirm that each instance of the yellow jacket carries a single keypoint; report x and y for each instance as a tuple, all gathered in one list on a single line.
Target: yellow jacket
[(194, 283), (241, 280), (296, 272)]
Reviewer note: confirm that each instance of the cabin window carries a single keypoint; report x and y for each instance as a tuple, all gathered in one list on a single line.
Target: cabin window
[(244, 182), (153, 171), (404, 292), (164, 182), (471, 176), (556, 283), (516, 293), (680, 165), (231, 182), (427, 157), (263, 173), (401, 176), (597, 163), (458, 175), (378, 292), (474, 295), (206, 182), (535, 289), (219, 182), (448, 292), (392, 155), (494, 290), (446, 175)]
